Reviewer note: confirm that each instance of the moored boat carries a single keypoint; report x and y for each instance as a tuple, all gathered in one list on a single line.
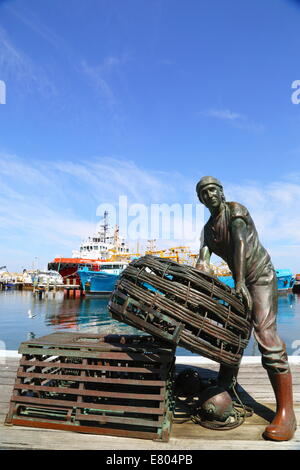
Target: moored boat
[(103, 246), (49, 278), (285, 280), (9, 280), (100, 279)]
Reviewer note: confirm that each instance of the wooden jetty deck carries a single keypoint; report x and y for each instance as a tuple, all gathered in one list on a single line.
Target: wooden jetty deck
[(254, 390)]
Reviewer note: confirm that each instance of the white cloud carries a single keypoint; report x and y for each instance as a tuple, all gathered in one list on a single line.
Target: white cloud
[(273, 207), (224, 114), (30, 19), (16, 65), (109, 177), (100, 77), (100, 83), (235, 119)]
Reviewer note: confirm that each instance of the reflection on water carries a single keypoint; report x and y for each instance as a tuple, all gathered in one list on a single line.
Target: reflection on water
[(287, 303), (73, 312), (288, 324), (24, 317), (89, 313)]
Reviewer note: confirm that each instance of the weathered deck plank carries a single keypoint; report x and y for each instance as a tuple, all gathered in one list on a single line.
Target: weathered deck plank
[(254, 389)]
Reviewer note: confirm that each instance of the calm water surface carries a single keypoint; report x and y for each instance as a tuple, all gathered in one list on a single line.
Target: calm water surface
[(23, 317)]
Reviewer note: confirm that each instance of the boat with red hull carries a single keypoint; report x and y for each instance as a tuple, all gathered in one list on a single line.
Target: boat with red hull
[(68, 267), (104, 246)]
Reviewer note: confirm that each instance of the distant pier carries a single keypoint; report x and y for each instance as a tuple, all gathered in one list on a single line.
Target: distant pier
[(70, 290), (73, 290)]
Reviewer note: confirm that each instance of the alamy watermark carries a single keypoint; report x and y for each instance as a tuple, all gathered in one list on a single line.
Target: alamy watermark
[(157, 221), (296, 94), (2, 92)]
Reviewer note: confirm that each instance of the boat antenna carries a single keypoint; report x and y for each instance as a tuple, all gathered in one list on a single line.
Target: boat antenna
[(105, 225)]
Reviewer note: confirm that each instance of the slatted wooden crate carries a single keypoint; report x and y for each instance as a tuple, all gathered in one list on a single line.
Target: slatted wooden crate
[(116, 385)]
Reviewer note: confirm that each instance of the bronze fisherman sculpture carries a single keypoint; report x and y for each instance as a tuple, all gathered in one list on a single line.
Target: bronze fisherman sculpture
[(231, 234)]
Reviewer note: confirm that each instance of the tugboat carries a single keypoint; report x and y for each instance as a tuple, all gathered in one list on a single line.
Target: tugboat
[(103, 247)]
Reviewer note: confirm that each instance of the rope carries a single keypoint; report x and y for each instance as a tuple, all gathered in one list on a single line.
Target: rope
[(247, 410), (239, 414), (237, 417)]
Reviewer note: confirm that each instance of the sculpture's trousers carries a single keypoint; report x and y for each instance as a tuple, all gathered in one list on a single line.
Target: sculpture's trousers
[(264, 312)]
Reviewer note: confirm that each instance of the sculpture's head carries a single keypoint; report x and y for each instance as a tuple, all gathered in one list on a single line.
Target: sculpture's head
[(210, 192)]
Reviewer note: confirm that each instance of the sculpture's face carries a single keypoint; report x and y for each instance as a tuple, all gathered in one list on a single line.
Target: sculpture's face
[(211, 196)]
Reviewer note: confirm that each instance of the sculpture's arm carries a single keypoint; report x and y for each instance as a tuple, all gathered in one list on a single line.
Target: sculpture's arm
[(203, 261), (238, 233)]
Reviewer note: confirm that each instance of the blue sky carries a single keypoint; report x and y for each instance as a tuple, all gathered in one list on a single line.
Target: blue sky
[(142, 98)]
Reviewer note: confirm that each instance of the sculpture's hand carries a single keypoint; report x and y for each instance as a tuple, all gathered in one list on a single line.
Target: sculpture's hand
[(241, 289), (205, 268)]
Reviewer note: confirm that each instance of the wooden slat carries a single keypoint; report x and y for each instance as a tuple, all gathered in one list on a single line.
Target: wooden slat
[(121, 420), (85, 429), (75, 353), (118, 417), (132, 409), (93, 393), (78, 378), (71, 365), (81, 342)]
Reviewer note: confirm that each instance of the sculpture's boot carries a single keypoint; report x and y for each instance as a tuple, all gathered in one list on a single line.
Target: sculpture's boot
[(227, 376), (283, 425)]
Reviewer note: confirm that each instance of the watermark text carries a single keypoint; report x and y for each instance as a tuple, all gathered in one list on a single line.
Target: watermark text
[(165, 221), (296, 94)]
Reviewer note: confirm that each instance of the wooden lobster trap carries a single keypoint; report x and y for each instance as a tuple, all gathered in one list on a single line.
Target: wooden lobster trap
[(184, 306), (115, 385)]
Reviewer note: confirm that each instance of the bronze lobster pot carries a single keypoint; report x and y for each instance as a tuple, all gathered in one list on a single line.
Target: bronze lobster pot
[(180, 304)]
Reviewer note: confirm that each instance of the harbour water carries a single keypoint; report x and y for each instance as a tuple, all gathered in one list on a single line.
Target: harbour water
[(24, 316)]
